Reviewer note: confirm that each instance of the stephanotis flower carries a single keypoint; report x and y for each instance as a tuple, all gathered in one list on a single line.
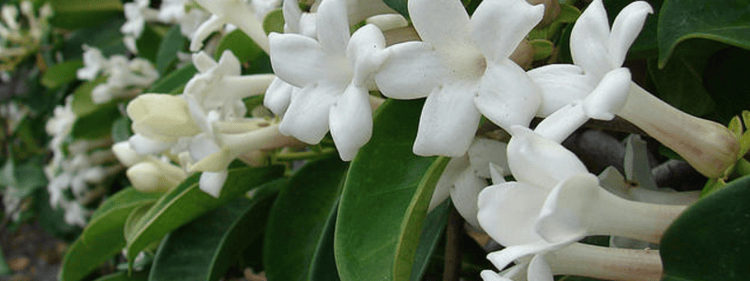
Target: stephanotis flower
[(463, 69), (335, 76), (598, 87), (237, 12)]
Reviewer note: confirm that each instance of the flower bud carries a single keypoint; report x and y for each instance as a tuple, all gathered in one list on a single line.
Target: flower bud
[(151, 177), (161, 117)]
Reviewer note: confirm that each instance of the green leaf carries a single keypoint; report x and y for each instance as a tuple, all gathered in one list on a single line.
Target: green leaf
[(725, 78), (400, 6), (172, 43), (244, 48), (175, 80), (74, 14), (187, 202), (385, 198), (274, 22), (298, 219), (726, 21), (103, 237), (432, 230), (709, 241), (323, 267), (121, 129), (82, 104), (134, 217), (105, 37), (205, 248), (680, 83), (97, 124), (61, 74), (123, 276), (542, 48), (148, 44)]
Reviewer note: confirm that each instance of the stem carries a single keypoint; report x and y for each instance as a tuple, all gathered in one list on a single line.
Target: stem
[(452, 269), (294, 156), (706, 145), (606, 263)]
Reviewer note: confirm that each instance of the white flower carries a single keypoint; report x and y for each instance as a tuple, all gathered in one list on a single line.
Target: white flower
[(237, 12), (137, 13), (334, 74), (93, 62), (463, 69), (172, 10)]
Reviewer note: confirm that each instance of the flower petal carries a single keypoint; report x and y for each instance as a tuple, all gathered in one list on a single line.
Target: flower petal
[(448, 122), (203, 62), (211, 25), (589, 41), (333, 16), (539, 161), (365, 52), (504, 257), (626, 28), (482, 152), (143, 145), (464, 195), (228, 65), (489, 275), (292, 14), (498, 26), (609, 97), (351, 121), (507, 212), (442, 189), (559, 125), (562, 214), (539, 270), (507, 96), (307, 116), (441, 23), (212, 182), (560, 85), (412, 71), (297, 59), (278, 95)]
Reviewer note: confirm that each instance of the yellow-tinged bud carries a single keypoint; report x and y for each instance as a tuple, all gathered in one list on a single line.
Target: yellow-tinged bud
[(162, 117)]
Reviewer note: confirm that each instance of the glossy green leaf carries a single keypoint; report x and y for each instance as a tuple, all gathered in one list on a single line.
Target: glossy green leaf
[(175, 80), (680, 83), (709, 241), (187, 202), (432, 230), (244, 48), (74, 14), (399, 5), (385, 198), (121, 129), (134, 216), (61, 74), (323, 267), (166, 55), (103, 237), (726, 21), (105, 37), (97, 124), (82, 104), (148, 44), (725, 78), (274, 22), (298, 218), (205, 248), (123, 276)]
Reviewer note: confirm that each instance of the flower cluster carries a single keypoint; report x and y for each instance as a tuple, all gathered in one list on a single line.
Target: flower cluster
[(20, 39), (125, 78), (79, 171)]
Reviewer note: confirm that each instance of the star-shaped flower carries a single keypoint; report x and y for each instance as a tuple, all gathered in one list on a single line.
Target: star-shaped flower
[(463, 69), (335, 76)]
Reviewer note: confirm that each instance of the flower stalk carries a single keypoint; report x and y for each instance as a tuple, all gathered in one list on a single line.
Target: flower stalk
[(605, 263)]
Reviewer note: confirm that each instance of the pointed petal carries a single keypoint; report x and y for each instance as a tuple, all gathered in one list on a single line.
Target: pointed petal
[(539, 269), (228, 65), (608, 98), (360, 10), (203, 62), (300, 60), (441, 23), (498, 26), (292, 14), (559, 125), (412, 71), (504, 257), (278, 96), (482, 152), (307, 116), (560, 84), (507, 96), (442, 189), (449, 121), (335, 36), (351, 121), (539, 161), (464, 195), (489, 275), (563, 213), (626, 28), (589, 41), (507, 212), (212, 25), (212, 183), (365, 52), (498, 174)]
